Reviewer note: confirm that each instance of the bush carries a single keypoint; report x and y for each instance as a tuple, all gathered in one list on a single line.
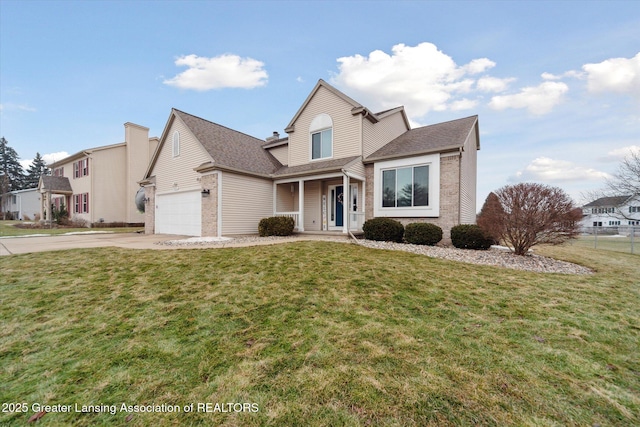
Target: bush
[(470, 236), (383, 229), (276, 226), (422, 233)]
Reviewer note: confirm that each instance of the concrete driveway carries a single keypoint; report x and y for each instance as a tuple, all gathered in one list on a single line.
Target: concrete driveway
[(21, 245)]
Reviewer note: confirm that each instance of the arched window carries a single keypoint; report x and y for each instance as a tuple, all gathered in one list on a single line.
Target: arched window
[(321, 131), (176, 144)]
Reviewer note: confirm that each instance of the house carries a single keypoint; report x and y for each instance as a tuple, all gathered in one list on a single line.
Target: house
[(339, 165), (22, 204), (98, 185), (612, 211)]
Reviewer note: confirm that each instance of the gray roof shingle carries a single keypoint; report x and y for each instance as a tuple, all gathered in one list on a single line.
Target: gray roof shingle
[(230, 148), (325, 166), (55, 184), (608, 201), (427, 139)]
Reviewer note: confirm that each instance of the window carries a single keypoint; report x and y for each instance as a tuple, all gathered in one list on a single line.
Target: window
[(80, 168), (407, 187), (176, 144), (321, 130), (321, 144), (81, 203), (58, 172), (634, 209)]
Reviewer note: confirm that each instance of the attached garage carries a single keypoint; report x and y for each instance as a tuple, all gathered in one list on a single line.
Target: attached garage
[(179, 213)]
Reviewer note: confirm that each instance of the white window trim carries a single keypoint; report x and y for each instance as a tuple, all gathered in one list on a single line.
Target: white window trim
[(320, 123), (176, 144), (431, 211)]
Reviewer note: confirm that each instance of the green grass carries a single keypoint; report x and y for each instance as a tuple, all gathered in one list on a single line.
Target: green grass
[(8, 229), (320, 333)]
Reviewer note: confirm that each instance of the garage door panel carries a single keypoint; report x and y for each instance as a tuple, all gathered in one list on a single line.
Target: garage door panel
[(179, 213)]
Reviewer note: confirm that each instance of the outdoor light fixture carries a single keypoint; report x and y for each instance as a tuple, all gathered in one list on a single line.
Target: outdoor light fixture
[(206, 192)]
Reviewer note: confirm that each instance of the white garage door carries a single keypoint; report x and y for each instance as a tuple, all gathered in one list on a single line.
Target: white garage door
[(179, 213)]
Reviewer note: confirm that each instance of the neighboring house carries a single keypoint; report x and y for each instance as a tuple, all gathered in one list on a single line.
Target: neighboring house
[(340, 165), (98, 185), (22, 204), (612, 211)]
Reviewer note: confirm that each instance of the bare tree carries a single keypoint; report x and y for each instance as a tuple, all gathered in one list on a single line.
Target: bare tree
[(533, 214), (624, 184)]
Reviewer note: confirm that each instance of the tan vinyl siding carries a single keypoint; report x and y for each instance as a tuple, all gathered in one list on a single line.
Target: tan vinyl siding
[(245, 201), (357, 168), (281, 153), (108, 194), (312, 206), (179, 170), (347, 132), (376, 135), (287, 201), (468, 180)]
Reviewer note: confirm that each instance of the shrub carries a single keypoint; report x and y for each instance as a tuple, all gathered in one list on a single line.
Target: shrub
[(534, 213), (276, 226), (383, 229), (422, 233), (470, 236)]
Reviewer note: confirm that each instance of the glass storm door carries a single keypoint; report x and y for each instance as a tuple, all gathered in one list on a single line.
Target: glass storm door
[(336, 199)]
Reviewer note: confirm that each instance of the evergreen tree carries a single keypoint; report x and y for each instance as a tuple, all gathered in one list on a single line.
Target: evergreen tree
[(11, 171), (37, 168)]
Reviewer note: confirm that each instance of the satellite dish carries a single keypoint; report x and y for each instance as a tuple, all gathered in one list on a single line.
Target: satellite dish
[(140, 200)]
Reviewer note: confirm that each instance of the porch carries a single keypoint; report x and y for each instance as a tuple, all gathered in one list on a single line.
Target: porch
[(330, 203)]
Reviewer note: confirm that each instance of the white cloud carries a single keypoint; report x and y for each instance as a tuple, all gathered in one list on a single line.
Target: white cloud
[(16, 107), (54, 157), (48, 158), (619, 154), (538, 100), (547, 170), (224, 71), (479, 65), (463, 104), (619, 75), (493, 84), (422, 78)]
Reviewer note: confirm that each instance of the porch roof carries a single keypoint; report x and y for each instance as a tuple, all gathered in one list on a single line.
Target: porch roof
[(315, 167), (55, 184)]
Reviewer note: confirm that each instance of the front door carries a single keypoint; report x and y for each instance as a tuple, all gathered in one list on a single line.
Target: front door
[(336, 206)]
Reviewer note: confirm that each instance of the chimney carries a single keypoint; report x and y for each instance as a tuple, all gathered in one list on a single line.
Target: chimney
[(274, 137)]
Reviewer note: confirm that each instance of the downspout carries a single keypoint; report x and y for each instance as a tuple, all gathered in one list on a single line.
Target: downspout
[(348, 190), (460, 186)]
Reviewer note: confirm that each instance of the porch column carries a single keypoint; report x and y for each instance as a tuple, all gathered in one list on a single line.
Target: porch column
[(345, 203), (275, 198), (300, 205)]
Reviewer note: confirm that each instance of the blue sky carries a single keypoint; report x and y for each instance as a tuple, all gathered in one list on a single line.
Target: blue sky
[(556, 84)]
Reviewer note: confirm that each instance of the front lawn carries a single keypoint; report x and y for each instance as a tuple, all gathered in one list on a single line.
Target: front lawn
[(317, 333)]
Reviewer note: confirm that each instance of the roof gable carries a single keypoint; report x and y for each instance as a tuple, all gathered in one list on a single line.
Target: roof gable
[(55, 184), (227, 148), (440, 137), (356, 107)]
